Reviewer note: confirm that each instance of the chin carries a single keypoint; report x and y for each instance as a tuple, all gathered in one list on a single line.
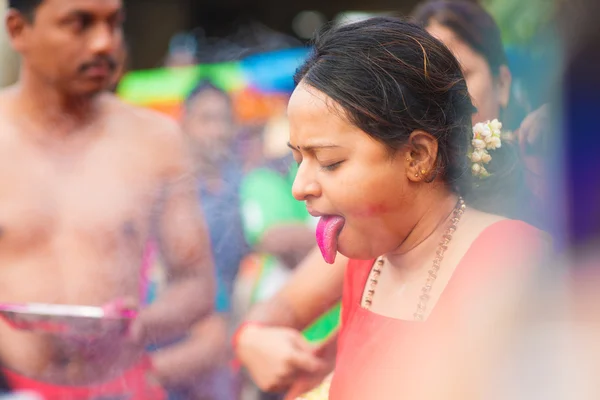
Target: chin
[(91, 89), (359, 249)]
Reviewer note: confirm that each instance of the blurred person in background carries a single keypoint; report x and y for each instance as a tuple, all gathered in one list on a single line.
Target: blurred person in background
[(473, 36), (210, 126), (272, 220), (182, 51), (89, 182), (364, 128), (555, 342), (278, 229), (9, 61), (195, 367)]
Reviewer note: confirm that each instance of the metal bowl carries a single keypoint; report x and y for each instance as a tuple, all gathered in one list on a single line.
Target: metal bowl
[(66, 320)]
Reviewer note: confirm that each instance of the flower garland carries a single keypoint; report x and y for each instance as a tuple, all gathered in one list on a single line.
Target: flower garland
[(486, 136)]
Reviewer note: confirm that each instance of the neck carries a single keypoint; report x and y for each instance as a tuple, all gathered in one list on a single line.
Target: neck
[(424, 236), (46, 105), (208, 165)]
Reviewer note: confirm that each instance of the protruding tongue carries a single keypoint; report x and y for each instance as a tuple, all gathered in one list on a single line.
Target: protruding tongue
[(328, 229)]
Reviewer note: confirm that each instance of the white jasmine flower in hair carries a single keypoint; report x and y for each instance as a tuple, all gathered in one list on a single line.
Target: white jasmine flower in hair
[(483, 173), (477, 155), (479, 130), (496, 127), (479, 171), (486, 136), (484, 131), (494, 143), (478, 144)]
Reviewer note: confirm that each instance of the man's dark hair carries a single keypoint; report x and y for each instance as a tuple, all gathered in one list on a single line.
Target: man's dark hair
[(25, 7), (203, 86)]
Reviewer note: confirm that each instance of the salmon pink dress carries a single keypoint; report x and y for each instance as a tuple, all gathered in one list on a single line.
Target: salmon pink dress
[(377, 355)]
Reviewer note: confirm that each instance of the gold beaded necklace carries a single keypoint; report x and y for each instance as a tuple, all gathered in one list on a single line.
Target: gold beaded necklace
[(419, 314)]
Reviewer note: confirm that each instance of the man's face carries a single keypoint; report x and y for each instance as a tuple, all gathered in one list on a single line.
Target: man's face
[(209, 122), (72, 45)]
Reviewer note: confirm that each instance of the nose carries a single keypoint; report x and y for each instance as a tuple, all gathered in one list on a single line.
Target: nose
[(104, 40), (305, 184)]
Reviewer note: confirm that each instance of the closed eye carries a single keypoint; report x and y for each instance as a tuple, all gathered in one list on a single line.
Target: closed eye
[(331, 167)]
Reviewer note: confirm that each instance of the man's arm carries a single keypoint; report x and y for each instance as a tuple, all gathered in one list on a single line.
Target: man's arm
[(205, 349), (289, 242), (184, 245)]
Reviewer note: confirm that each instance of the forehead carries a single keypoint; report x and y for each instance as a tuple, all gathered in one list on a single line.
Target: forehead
[(313, 115), (210, 99), (462, 51), (307, 101), (98, 7)]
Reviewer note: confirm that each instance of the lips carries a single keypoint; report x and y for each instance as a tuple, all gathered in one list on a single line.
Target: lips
[(99, 71), (328, 230)]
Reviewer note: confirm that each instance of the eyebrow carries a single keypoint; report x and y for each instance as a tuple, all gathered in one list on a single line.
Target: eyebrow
[(313, 147), (80, 14), (84, 14)]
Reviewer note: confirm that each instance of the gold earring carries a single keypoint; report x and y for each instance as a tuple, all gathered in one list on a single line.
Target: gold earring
[(423, 172)]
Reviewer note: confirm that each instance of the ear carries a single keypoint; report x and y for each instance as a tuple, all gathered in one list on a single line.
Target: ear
[(421, 156), (16, 27), (503, 83)]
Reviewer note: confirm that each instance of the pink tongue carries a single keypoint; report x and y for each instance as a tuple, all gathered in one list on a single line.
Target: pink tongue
[(328, 229)]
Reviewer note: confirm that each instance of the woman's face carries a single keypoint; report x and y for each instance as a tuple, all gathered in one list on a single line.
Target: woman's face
[(344, 172), (489, 94)]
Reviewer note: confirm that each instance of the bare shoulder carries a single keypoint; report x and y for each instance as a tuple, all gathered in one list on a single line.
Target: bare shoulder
[(7, 96), (504, 242), (8, 115), (497, 242), (151, 125), (490, 224), (159, 134), (512, 231), (500, 259)]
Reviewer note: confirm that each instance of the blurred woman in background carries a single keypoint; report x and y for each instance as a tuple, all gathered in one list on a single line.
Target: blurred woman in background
[(475, 39)]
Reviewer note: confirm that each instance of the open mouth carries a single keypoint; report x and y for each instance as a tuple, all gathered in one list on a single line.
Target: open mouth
[(328, 231)]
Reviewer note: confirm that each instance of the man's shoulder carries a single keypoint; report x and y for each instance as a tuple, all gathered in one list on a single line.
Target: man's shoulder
[(149, 122), (6, 97), (8, 115), (158, 134), (146, 125)]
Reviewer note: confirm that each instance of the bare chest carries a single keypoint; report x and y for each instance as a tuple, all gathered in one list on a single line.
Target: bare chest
[(99, 194)]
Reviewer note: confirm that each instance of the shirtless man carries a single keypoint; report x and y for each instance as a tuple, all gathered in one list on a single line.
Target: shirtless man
[(86, 182)]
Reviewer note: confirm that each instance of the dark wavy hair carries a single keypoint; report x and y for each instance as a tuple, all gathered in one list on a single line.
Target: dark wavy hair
[(391, 77)]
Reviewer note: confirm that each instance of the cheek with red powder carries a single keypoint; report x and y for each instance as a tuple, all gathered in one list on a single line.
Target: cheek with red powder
[(370, 210)]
